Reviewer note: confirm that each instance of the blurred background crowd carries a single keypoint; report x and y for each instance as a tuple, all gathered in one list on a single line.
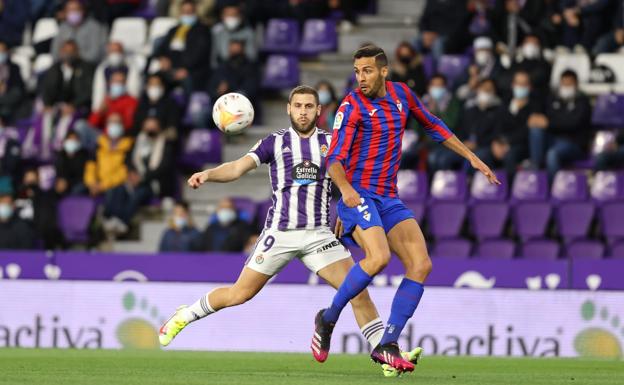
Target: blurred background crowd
[(105, 108)]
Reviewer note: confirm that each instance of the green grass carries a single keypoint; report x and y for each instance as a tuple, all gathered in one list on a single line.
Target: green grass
[(121, 367)]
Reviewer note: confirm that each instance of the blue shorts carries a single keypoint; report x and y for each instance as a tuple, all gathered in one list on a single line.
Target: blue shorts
[(375, 210)]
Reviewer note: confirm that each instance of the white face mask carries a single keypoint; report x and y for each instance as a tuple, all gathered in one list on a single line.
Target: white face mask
[(154, 92), (231, 22), (324, 97), (6, 211), (567, 92), (114, 130), (180, 222), (226, 216), (482, 57), (531, 51), (484, 98), (115, 59)]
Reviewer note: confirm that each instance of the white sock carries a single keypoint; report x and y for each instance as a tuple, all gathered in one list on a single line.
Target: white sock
[(199, 309), (373, 331)]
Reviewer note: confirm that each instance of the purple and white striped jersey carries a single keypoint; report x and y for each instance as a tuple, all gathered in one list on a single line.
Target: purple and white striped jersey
[(299, 178)]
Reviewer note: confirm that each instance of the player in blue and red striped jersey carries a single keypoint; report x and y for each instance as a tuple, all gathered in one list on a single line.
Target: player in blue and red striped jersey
[(363, 161)]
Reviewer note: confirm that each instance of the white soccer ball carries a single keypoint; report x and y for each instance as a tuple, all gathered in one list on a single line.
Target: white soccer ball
[(232, 113)]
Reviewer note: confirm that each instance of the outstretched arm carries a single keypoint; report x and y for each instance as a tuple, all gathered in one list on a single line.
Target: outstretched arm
[(227, 172), (458, 147)]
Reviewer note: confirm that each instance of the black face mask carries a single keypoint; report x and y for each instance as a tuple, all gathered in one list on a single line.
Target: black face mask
[(152, 134), (405, 59), (237, 60)]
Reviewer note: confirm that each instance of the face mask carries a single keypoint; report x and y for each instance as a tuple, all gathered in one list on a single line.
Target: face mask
[(482, 57), (437, 93), (226, 216), (115, 59), (567, 92), (74, 17), (3, 57), (530, 51), (484, 98), (151, 134), (231, 22), (324, 97), (117, 90), (405, 59), (179, 222), (114, 130), (188, 20), (154, 92), (71, 146), (6, 211), (520, 92), (69, 60)]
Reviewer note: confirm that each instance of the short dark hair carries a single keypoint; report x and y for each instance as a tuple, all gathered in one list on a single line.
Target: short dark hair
[(182, 203), (303, 89), (373, 51), (439, 76), (568, 73)]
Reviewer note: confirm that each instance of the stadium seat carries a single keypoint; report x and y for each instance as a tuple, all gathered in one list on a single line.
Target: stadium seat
[(487, 219), (602, 141), (607, 111), (282, 36), (409, 138), (246, 208), (453, 67), (418, 208), (42, 63), (607, 186), (445, 219), (159, 27), (495, 249), (452, 248), (448, 185), (569, 186), (481, 190), (578, 62), (25, 65), (131, 31), (530, 219), (585, 249), (319, 35), (281, 71), (617, 251), (573, 219), (147, 9), (540, 249), (613, 61), (45, 28), (529, 186), (428, 65), (202, 146), (198, 109), (413, 185), (74, 217), (611, 219)]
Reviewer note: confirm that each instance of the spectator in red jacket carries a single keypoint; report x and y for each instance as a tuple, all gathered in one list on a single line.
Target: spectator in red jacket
[(118, 101)]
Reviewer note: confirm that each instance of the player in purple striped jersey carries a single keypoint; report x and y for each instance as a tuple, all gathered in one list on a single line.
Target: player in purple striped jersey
[(297, 224)]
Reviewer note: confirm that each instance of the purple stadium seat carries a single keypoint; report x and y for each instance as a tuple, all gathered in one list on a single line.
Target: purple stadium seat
[(585, 250), (452, 248), (483, 191), (446, 218), (428, 65), (74, 217), (413, 185), (617, 251), (530, 219), (198, 108), (281, 71), (453, 67), (319, 35), (147, 9), (246, 208), (607, 111), (573, 219), (487, 219), (47, 175), (530, 186), (569, 186), (495, 249), (612, 221), (418, 208), (602, 141), (449, 186), (262, 212), (282, 36), (202, 146), (608, 186), (540, 249)]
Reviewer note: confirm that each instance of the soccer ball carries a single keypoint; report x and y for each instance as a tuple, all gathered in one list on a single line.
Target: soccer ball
[(232, 113)]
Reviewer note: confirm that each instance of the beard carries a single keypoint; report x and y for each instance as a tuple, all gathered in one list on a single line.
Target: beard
[(373, 91), (303, 129)]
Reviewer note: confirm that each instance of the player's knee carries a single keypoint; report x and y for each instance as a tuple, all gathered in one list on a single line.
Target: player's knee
[(379, 261), (421, 269)]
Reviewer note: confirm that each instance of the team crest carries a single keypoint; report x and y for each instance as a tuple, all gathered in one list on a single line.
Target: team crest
[(259, 259), (338, 120), (399, 105), (323, 150)]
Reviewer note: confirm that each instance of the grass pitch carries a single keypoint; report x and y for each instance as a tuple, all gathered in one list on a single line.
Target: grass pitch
[(121, 367)]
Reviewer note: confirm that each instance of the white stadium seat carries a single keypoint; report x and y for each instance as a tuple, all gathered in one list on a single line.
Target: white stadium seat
[(46, 28), (578, 62), (42, 63), (159, 28), (615, 62), (24, 64), (131, 32)]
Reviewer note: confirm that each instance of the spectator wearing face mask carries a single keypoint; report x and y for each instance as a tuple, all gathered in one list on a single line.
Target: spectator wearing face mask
[(89, 35), (205, 9), (10, 153), (70, 167), (329, 105), (117, 101), (485, 65), (232, 28), (226, 231), (513, 20), (408, 68), (480, 118), (157, 103), (107, 169), (530, 60), (181, 236), (11, 84), (237, 73), (15, 233), (115, 61), (185, 50), (562, 134)]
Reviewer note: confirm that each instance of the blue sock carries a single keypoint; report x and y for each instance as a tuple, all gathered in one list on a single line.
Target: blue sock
[(404, 304), (355, 281)]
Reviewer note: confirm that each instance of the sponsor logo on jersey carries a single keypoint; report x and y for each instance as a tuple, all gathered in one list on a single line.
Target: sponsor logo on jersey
[(338, 120), (328, 246), (399, 105), (324, 150), (306, 172), (285, 150), (371, 113)]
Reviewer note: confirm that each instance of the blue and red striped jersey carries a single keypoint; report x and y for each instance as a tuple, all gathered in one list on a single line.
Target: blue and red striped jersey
[(368, 133)]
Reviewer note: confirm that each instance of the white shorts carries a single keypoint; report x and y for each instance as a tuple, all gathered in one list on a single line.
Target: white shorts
[(317, 249)]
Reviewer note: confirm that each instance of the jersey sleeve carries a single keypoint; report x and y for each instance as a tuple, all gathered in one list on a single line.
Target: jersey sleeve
[(434, 126), (346, 123), (262, 152)]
